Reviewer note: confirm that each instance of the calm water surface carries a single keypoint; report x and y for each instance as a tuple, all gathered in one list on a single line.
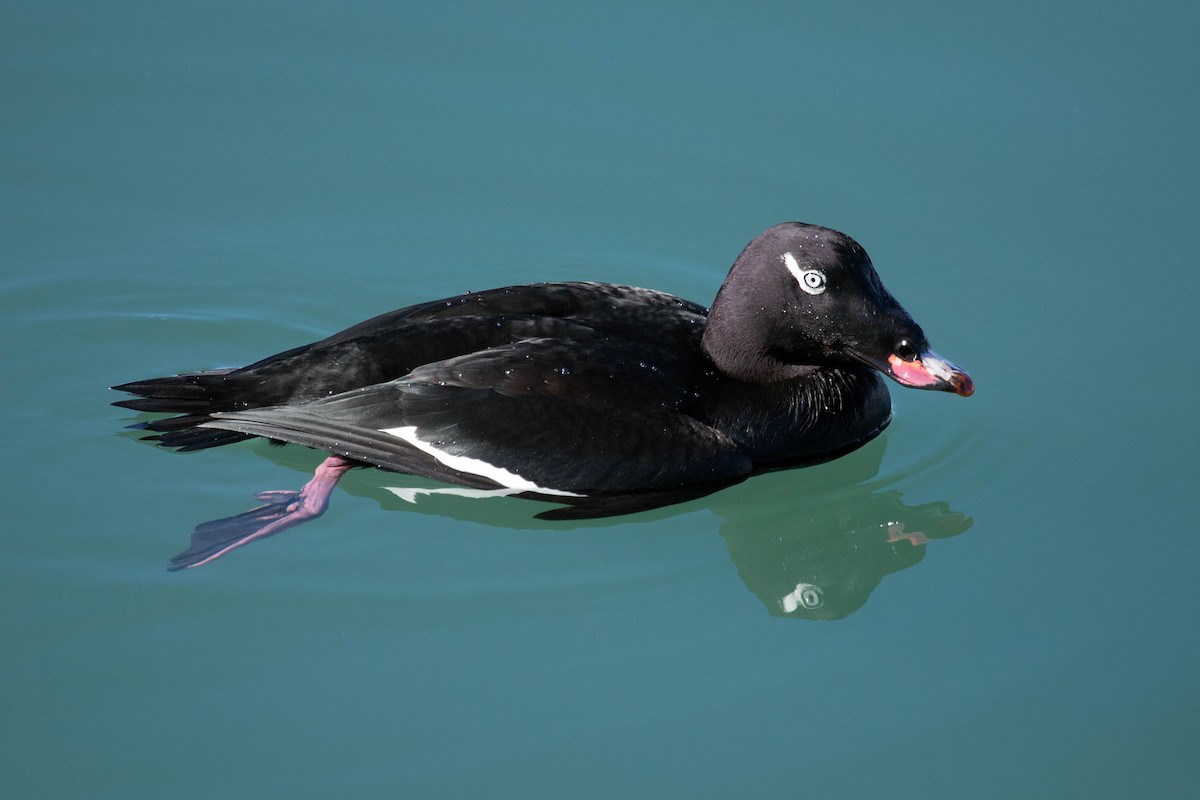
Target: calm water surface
[(997, 598)]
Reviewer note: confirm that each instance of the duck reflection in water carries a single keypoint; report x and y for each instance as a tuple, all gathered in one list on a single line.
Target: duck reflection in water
[(821, 555)]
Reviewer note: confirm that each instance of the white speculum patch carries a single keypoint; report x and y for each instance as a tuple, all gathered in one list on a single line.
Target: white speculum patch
[(409, 494), (810, 280), (473, 466)]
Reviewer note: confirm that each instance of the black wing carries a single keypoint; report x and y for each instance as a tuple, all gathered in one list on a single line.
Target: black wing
[(540, 415)]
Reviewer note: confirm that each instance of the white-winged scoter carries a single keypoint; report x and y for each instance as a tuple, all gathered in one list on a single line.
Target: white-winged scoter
[(607, 398)]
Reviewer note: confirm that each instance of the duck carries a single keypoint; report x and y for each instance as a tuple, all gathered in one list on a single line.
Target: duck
[(604, 398)]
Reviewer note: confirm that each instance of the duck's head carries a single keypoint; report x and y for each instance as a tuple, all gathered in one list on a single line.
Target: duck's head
[(802, 296)]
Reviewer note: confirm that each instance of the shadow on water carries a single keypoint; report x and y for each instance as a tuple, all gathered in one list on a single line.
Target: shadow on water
[(810, 543)]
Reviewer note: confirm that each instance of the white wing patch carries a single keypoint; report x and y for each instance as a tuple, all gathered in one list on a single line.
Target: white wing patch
[(473, 466), (409, 494)]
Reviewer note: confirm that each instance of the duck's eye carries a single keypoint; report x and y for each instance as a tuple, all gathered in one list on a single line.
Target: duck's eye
[(810, 280)]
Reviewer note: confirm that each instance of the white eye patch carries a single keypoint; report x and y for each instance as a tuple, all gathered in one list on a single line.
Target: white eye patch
[(810, 280)]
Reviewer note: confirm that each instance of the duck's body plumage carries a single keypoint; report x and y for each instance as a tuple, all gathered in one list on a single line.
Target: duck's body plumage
[(582, 390)]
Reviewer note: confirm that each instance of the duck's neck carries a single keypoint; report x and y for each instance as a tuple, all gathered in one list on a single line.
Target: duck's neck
[(827, 412), (740, 348)]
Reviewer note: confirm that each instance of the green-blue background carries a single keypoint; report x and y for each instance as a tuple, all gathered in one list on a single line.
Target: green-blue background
[(187, 186)]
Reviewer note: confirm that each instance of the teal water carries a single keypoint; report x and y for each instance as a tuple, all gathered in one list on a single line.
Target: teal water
[(1007, 605)]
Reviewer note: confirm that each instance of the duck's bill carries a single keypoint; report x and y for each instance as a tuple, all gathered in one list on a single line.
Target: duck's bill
[(930, 371), (926, 371)]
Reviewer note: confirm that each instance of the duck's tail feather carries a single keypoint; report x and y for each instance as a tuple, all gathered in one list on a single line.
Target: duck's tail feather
[(194, 396)]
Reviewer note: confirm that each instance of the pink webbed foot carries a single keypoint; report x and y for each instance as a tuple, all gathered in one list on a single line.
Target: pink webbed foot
[(280, 510)]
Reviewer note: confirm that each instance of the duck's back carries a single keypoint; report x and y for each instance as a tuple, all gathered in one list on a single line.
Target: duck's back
[(390, 345)]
